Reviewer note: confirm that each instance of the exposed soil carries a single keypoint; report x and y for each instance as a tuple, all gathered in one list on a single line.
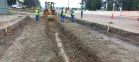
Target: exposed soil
[(83, 43), (30, 43), (34, 41)]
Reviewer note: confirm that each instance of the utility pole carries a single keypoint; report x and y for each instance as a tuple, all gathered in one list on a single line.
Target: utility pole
[(68, 4), (114, 6), (38, 3), (77, 5), (35, 4), (106, 5)]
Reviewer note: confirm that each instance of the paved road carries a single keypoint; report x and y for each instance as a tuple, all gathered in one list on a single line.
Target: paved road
[(127, 24)]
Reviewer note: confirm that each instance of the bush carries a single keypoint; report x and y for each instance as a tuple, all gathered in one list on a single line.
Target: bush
[(23, 8), (11, 13)]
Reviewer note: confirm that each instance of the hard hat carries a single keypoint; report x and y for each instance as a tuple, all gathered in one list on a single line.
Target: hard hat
[(72, 8), (37, 8)]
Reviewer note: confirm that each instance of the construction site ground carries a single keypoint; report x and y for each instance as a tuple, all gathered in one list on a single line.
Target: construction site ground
[(43, 41), (123, 23)]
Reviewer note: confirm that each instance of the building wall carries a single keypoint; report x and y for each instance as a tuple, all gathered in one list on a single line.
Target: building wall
[(4, 7)]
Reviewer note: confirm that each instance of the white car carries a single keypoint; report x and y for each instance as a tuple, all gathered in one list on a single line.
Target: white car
[(18, 7), (14, 6)]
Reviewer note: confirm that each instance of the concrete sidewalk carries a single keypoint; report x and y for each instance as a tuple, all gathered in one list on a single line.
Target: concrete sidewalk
[(119, 24), (6, 20), (32, 15)]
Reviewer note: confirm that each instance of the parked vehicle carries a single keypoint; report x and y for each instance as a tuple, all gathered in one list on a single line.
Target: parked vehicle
[(16, 7)]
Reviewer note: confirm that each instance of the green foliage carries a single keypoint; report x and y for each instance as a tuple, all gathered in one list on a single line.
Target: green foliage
[(23, 8), (11, 13), (136, 4), (110, 5), (31, 3), (125, 4), (96, 4), (93, 4)]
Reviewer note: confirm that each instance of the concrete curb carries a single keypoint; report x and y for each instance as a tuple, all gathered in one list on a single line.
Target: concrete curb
[(13, 26), (32, 11)]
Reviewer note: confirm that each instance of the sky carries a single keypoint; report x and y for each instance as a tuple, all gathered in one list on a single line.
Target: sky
[(63, 3)]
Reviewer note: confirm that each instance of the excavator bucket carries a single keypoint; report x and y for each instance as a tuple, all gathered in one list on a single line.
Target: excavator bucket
[(51, 18)]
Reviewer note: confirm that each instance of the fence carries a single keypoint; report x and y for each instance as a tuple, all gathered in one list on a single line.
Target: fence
[(127, 17)]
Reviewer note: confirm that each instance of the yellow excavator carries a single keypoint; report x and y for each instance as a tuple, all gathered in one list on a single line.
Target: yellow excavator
[(49, 9)]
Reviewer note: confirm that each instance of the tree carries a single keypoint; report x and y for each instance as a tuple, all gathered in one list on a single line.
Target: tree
[(31, 3), (125, 4), (92, 4), (136, 5), (96, 4), (110, 4)]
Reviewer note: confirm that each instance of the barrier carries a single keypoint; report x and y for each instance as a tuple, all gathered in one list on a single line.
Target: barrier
[(129, 17)]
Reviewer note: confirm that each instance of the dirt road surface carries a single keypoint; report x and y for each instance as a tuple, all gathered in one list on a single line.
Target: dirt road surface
[(51, 41), (30, 43)]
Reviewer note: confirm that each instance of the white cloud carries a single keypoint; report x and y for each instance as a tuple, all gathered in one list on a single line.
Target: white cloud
[(61, 3)]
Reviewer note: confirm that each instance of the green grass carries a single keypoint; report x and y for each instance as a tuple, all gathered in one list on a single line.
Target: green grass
[(11, 13)]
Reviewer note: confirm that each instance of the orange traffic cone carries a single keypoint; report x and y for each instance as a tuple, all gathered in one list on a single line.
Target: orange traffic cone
[(112, 16)]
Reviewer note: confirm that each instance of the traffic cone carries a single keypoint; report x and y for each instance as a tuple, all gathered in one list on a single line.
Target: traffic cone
[(112, 16)]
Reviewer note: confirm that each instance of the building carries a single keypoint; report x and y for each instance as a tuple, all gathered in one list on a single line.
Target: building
[(15, 2), (4, 7), (11, 2)]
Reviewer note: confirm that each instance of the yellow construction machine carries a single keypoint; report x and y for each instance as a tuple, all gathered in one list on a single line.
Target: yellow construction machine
[(49, 9)]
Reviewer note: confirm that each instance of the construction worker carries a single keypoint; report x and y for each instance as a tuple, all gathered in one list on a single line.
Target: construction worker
[(63, 15), (37, 14), (82, 12), (72, 14)]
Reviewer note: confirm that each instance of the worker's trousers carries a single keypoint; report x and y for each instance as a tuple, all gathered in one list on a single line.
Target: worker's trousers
[(72, 17), (37, 17), (62, 18), (81, 14)]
